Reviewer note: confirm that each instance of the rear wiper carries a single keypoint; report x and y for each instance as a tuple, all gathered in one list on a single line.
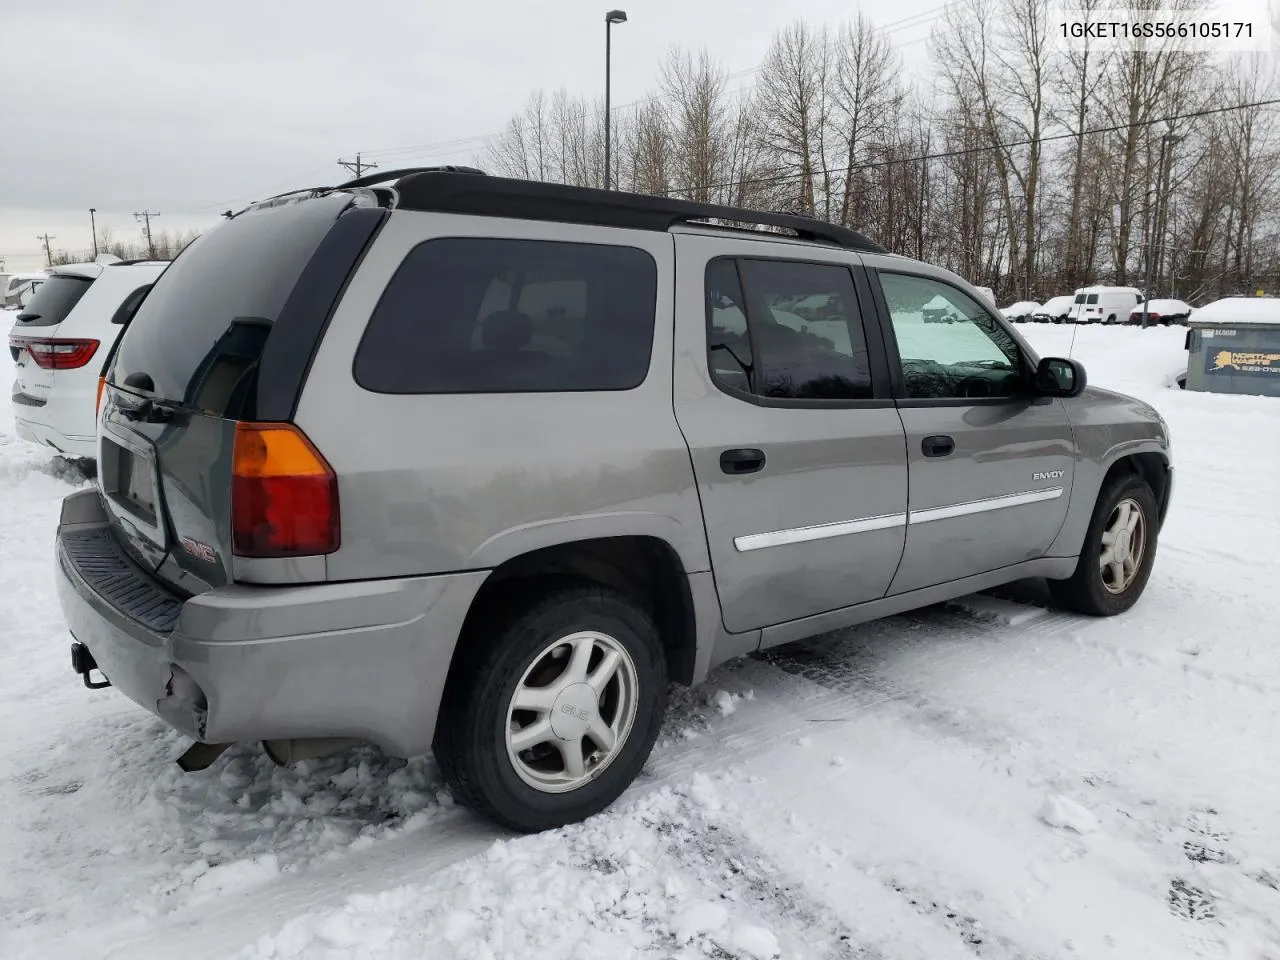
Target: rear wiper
[(151, 410), (29, 316)]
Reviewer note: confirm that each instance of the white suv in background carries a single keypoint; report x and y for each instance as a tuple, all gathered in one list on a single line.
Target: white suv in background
[(17, 288), (60, 342)]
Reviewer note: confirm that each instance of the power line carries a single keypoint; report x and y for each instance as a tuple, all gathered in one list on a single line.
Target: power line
[(946, 154)]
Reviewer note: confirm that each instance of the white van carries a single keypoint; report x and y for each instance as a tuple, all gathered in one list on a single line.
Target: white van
[(1104, 304)]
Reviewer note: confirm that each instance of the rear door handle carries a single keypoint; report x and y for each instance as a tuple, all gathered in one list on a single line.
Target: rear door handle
[(937, 446), (742, 460)]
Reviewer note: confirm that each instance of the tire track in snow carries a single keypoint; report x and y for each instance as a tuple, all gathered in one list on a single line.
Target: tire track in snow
[(724, 861), (1154, 824)]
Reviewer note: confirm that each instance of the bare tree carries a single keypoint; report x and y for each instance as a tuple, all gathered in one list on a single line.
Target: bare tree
[(865, 95), (1079, 71), (695, 95), (524, 149), (794, 112), (1155, 79)]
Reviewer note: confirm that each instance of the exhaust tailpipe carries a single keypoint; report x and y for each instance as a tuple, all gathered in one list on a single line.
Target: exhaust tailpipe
[(285, 752)]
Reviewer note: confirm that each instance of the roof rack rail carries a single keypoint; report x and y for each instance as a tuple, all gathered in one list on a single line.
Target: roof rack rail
[(371, 179), (445, 191), (136, 260)]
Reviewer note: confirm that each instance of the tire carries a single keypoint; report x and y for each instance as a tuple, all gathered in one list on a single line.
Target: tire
[(1087, 591), (478, 716)]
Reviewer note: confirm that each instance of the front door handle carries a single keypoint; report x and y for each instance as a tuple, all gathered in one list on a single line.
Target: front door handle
[(742, 460), (937, 446)]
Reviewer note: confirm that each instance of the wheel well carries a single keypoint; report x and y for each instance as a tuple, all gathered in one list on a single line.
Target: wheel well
[(645, 569), (1151, 467)]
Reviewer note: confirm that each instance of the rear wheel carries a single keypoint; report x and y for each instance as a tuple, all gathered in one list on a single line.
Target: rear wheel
[(553, 709), (1119, 550)]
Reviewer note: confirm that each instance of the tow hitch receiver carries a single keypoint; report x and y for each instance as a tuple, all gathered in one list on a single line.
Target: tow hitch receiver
[(82, 662)]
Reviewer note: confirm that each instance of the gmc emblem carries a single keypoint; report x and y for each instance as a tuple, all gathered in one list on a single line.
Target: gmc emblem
[(201, 551)]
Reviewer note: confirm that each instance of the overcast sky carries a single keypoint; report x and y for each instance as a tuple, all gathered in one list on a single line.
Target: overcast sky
[(188, 107)]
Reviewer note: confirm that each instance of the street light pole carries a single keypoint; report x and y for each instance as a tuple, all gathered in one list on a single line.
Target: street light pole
[(93, 225), (610, 18)]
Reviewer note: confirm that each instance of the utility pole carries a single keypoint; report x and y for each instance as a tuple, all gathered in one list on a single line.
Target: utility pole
[(48, 251), (145, 216), (357, 166), (93, 225)]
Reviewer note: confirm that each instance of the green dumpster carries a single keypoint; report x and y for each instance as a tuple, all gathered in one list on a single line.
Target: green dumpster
[(1234, 347)]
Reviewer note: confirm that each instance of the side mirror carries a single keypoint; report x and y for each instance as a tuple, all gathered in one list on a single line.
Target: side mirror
[(1056, 377)]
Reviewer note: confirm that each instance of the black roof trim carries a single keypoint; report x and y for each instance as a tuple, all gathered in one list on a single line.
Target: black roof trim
[(446, 191), (371, 179), (130, 263)]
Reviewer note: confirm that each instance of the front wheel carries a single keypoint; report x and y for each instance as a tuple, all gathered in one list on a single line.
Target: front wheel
[(551, 712), (1119, 550)]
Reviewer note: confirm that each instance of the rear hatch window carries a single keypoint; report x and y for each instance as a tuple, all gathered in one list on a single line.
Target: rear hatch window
[(50, 304), (185, 371), (52, 301), (202, 328)]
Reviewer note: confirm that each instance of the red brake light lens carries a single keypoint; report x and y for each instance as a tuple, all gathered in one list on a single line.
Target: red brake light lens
[(59, 354), (284, 495)]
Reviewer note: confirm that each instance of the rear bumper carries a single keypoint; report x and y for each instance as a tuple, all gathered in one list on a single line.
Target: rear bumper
[(64, 421), (366, 659)]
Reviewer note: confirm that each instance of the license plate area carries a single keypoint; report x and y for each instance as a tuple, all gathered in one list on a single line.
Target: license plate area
[(127, 477), (131, 482)]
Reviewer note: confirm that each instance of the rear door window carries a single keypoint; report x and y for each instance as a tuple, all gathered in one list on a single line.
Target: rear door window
[(53, 300), (480, 315), (786, 330), (204, 323)]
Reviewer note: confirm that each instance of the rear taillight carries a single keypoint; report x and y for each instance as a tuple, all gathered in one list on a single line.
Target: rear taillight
[(60, 354), (284, 496)]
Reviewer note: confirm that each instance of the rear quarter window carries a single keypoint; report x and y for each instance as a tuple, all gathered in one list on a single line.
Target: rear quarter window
[(480, 315)]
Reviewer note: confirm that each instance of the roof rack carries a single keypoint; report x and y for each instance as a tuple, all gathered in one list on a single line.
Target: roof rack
[(446, 190)]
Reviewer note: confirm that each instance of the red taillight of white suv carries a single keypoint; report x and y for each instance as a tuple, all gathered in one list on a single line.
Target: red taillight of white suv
[(284, 495), (57, 354)]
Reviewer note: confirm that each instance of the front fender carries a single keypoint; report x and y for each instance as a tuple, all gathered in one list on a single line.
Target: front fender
[(1091, 472)]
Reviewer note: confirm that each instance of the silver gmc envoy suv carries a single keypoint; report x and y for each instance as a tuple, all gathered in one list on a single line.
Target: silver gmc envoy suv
[(462, 464)]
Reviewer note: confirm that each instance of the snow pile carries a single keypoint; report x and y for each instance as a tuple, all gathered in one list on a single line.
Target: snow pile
[(1240, 311), (1061, 811), (724, 702), (613, 887)]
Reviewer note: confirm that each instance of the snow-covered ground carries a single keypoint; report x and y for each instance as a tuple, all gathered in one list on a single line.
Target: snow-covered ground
[(987, 779)]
